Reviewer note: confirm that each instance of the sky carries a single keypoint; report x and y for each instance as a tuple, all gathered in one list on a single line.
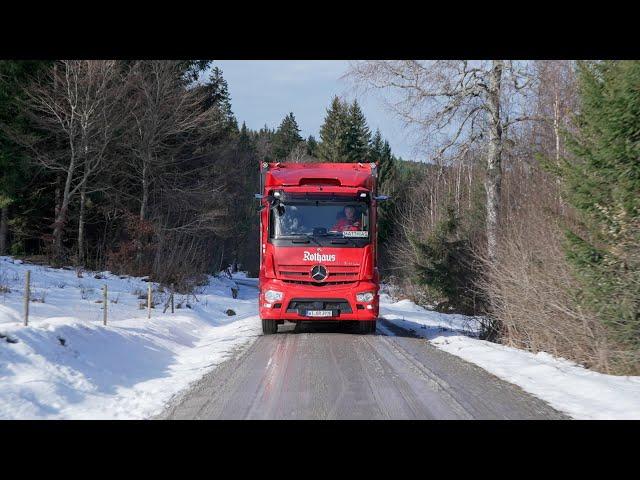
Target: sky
[(265, 91)]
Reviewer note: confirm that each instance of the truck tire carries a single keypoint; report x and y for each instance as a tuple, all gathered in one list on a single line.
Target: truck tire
[(269, 327)]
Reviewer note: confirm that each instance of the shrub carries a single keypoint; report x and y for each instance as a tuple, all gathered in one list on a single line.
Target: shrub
[(447, 266), (533, 297)]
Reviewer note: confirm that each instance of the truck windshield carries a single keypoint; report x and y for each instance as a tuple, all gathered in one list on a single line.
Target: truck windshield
[(321, 219)]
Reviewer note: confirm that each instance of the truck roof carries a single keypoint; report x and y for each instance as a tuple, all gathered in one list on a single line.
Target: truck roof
[(334, 174)]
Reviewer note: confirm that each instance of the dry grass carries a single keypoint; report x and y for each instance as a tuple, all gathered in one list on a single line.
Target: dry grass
[(532, 296)]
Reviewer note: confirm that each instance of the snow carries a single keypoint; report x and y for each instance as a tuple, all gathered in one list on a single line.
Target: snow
[(66, 364), (565, 385)]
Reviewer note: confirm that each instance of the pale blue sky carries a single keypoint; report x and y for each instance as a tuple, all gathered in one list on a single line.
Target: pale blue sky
[(264, 91)]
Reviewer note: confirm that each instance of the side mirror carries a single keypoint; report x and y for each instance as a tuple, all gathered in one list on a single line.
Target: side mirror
[(271, 200), (382, 198)]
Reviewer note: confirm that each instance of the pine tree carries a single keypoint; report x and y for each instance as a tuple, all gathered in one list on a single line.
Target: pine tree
[(377, 144), (445, 266), (358, 135), (217, 96), (193, 69), (245, 142), (380, 151), (387, 168), (333, 132), (264, 140), (603, 186), (312, 146), (286, 138), (15, 169)]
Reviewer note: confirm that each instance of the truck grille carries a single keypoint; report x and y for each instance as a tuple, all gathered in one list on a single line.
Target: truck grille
[(302, 273), (318, 284)]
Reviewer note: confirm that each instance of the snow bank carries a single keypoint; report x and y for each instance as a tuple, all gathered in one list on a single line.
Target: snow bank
[(66, 364), (565, 385)]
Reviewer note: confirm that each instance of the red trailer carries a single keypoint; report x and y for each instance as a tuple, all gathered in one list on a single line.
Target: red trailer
[(318, 244)]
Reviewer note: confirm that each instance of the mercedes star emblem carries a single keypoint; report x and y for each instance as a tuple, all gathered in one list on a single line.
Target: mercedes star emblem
[(319, 273)]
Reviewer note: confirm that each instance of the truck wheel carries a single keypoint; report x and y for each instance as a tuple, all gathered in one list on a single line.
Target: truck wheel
[(269, 327)]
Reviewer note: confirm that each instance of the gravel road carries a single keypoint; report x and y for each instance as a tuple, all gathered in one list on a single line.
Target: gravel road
[(320, 371)]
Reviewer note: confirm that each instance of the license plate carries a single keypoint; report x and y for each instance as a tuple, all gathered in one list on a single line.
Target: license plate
[(319, 313)]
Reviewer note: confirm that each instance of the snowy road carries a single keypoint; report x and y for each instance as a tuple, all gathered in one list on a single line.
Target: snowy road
[(326, 372)]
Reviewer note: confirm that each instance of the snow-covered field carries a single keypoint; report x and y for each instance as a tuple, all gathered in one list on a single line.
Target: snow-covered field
[(567, 386), (66, 364)]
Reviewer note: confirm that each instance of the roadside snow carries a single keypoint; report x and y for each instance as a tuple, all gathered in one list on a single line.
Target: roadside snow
[(66, 364), (565, 385)]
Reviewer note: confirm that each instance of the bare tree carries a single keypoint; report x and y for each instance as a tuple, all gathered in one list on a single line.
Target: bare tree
[(166, 118), (299, 154), (74, 104), (556, 101), (455, 104)]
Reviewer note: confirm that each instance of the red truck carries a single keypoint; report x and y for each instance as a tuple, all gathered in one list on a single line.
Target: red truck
[(318, 244)]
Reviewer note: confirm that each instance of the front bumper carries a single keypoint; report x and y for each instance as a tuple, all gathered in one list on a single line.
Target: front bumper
[(306, 294)]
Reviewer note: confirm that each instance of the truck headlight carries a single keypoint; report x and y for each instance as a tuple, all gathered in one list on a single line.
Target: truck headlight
[(272, 296), (365, 297)]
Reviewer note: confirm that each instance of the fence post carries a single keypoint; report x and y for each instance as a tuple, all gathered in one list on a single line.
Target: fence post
[(104, 318), (149, 301), (27, 294), (172, 290)]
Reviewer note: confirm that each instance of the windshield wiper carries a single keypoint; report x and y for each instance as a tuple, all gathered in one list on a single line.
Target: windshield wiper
[(311, 237), (302, 238), (343, 240)]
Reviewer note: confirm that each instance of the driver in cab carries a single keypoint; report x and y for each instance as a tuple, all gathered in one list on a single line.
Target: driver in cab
[(349, 222)]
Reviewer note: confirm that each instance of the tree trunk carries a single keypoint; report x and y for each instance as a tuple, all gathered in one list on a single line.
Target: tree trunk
[(61, 217), (83, 199), (470, 182), (58, 196), (143, 209), (4, 229), (145, 189), (556, 133), (494, 160)]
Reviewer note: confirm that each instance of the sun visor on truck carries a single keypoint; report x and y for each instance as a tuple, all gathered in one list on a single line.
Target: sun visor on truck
[(351, 196)]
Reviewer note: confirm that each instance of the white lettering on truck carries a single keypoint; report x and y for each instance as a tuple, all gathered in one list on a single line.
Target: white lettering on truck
[(319, 257)]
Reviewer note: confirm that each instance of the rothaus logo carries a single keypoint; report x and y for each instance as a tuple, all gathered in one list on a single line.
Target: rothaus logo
[(319, 257)]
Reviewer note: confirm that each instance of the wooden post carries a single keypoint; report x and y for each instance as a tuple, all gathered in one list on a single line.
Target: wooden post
[(172, 290), (105, 301), (149, 301), (27, 294)]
